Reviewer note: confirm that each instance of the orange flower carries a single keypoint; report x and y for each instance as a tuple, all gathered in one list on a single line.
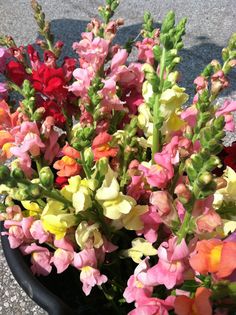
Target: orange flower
[(101, 148), (68, 166), (199, 305), (214, 256)]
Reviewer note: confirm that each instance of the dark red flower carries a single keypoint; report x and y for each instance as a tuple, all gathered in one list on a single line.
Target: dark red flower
[(15, 71), (228, 156), (54, 110), (50, 81), (68, 66)]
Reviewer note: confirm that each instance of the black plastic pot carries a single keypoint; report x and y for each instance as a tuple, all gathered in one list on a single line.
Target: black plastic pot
[(42, 289)]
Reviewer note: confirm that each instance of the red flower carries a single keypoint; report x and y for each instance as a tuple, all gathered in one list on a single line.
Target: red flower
[(16, 72), (61, 182), (50, 81)]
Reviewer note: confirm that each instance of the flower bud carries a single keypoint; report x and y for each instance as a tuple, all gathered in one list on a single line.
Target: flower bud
[(205, 178), (34, 191), (46, 177), (4, 173), (17, 173), (191, 171), (102, 166)]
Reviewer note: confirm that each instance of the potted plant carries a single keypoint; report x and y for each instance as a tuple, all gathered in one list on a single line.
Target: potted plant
[(119, 198)]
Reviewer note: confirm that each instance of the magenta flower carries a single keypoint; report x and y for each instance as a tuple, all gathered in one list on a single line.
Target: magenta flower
[(171, 266), (135, 289), (4, 55), (3, 90)]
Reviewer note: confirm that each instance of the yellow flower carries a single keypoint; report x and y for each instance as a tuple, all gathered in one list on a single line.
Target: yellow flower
[(173, 123), (147, 91), (172, 99), (228, 193), (32, 207), (110, 187), (131, 221), (114, 203), (140, 247), (88, 233), (82, 199), (115, 208), (58, 224)]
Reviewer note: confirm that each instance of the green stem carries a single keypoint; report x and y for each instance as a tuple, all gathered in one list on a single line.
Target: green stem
[(85, 168), (156, 144), (184, 227)]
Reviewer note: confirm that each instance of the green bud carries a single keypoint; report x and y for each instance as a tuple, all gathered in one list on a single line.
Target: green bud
[(168, 23), (88, 156), (219, 122), (205, 117), (34, 191), (232, 42), (207, 71), (4, 173), (157, 51), (17, 173), (220, 135), (21, 194), (46, 177), (166, 41), (102, 166), (225, 54), (197, 161), (212, 163), (205, 178), (191, 171), (147, 68)]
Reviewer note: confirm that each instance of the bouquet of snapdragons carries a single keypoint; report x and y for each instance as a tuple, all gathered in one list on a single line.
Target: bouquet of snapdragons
[(104, 170)]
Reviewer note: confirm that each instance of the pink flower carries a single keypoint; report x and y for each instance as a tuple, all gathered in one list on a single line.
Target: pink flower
[(132, 76), (145, 50), (219, 81), (38, 233), (4, 55), (151, 221), (81, 86), (90, 276), (136, 290), (153, 306), (190, 115), (159, 174), (51, 139), (163, 202), (27, 136), (110, 101), (119, 59), (40, 259), (226, 109), (170, 267), (92, 51), (62, 259), (201, 83)]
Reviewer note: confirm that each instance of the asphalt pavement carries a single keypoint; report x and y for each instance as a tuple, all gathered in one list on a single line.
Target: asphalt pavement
[(209, 26)]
